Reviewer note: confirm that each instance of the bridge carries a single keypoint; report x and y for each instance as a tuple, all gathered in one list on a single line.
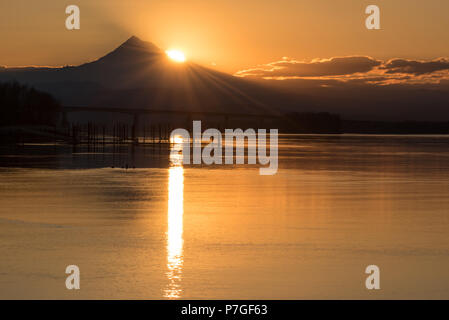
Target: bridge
[(141, 111), (137, 112)]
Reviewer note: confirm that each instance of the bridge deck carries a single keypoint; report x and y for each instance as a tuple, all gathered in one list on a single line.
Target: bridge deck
[(168, 112)]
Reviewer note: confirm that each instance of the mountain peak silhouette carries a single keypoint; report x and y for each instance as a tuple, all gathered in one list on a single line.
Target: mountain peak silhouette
[(135, 43), (138, 74), (134, 40), (132, 51)]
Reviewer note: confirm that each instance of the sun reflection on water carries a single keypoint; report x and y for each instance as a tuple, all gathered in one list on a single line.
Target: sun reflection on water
[(175, 223)]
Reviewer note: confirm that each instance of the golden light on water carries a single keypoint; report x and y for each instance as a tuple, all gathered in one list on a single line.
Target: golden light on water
[(176, 55), (177, 140), (175, 224)]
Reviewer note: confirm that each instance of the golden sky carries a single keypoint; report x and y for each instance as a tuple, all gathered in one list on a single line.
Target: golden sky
[(226, 35)]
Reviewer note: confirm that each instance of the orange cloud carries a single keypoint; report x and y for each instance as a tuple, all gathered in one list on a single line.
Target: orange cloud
[(353, 69), (318, 67), (415, 66)]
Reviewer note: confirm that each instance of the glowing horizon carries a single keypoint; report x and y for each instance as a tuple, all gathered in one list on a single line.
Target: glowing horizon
[(232, 36)]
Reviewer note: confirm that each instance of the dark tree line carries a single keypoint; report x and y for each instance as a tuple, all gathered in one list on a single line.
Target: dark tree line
[(309, 122), (23, 105)]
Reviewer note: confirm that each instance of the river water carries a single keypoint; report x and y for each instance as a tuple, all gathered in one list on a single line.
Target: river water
[(158, 230)]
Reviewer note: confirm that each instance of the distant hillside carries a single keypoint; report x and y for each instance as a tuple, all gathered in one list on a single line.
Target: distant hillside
[(139, 75)]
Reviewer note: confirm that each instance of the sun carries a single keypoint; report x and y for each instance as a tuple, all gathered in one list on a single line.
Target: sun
[(176, 55)]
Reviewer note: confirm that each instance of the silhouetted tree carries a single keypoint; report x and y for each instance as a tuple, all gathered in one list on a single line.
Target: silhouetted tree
[(22, 105)]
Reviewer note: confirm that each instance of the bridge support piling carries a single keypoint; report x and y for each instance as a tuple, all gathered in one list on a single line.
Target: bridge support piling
[(135, 128)]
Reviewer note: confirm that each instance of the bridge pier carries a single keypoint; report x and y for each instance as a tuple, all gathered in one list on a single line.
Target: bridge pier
[(189, 123), (135, 128), (120, 132), (64, 121)]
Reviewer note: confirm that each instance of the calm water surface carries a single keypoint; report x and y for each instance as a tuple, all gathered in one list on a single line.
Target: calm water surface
[(336, 205)]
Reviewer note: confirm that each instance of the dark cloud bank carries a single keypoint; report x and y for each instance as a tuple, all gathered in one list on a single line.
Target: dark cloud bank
[(362, 87)]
